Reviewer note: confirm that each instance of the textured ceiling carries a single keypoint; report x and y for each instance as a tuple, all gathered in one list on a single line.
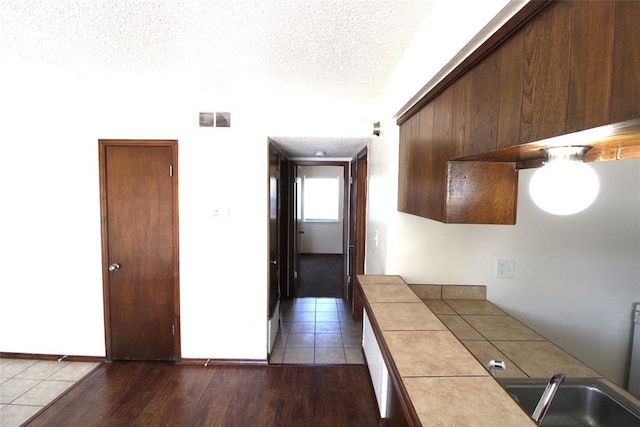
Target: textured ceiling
[(307, 147), (333, 47), (338, 52)]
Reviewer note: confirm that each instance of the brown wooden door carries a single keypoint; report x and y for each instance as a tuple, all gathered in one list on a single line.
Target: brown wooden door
[(298, 229), (361, 212), (139, 186), (357, 227), (351, 273)]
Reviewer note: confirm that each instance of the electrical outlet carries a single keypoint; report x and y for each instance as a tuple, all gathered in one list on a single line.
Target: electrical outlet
[(505, 268)]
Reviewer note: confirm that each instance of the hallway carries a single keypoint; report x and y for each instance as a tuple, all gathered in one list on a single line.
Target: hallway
[(317, 331)]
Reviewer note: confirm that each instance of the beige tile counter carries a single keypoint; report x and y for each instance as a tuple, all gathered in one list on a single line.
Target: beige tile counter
[(442, 383), (463, 401), (389, 293), (438, 340), (405, 316), (491, 334)]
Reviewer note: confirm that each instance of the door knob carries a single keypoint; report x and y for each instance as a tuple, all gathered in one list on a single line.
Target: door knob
[(274, 261), (114, 267)]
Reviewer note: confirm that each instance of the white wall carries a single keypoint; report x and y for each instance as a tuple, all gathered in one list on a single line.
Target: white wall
[(52, 114), (323, 237), (576, 277), (51, 287)]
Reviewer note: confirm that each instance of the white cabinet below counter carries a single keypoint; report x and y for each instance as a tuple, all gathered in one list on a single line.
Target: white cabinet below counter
[(377, 367)]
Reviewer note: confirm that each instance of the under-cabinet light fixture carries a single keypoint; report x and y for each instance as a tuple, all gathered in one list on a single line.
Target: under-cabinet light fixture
[(565, 185)]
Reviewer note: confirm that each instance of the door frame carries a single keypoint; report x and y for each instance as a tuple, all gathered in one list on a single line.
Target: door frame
[(361, 208), (102, 147), (359, 227)]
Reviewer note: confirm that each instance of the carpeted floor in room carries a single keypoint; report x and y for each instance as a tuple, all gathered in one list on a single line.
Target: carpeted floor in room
[(320, 276)]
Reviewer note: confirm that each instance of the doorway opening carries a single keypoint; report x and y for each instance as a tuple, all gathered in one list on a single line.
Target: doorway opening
[(321, 216), (316, 249)]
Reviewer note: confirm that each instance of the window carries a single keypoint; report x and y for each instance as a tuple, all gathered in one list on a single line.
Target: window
[(321, 199)]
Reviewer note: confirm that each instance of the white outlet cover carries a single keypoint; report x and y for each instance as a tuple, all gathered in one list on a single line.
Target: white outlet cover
[(505, 268)]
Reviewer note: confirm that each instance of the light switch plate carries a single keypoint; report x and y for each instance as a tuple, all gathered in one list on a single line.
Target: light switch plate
[(505, 268)]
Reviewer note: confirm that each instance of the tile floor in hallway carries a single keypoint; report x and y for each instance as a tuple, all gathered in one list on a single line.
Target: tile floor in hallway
[(27, 385), (317, 331)]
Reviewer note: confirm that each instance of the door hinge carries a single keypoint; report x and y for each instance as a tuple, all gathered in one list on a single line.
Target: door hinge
[(173, 329), (350, 180), (170, 170)]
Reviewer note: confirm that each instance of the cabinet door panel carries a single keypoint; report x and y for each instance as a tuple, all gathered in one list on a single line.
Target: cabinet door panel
[(511, 86), (441, 149), (625, 90), (590, 72), (404, 155), (482, 107), (482, 193), (428, 197), (459, 117), (546, 73)]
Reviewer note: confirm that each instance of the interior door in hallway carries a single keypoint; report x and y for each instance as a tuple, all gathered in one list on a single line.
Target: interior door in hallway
[(274, 230), (357, 218), (139, 231)]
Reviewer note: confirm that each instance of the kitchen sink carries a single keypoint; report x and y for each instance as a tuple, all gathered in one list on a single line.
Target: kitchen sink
[(578, 402)]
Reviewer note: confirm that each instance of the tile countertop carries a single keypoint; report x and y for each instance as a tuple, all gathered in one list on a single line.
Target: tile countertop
[(445, 384), (440, 338)]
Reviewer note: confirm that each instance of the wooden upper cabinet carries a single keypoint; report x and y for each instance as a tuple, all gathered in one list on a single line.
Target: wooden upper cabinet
[(625, 89), (404, 188), (427, 202), (567, 66), (406, 182), (459, 136), (511, 75), (483, 105), (546, 73), (481, 193), (590, 65)]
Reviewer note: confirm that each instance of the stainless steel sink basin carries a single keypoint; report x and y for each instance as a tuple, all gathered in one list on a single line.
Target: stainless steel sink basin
[(578, 402)]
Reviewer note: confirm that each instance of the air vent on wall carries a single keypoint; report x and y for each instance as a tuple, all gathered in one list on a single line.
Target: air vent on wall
[(219, 120), (223, 120), (206, 120)]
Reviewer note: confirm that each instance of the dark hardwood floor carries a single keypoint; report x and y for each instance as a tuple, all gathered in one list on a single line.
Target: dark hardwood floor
[(163, 394)]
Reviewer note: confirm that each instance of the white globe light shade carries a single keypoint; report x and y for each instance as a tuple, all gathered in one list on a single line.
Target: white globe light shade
[(564, 187)]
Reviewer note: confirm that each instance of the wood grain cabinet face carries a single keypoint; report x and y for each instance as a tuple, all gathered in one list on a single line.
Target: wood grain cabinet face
[(482, 193), (421, 173), (482, 109), (511, 73), (590, 65), (546, 73), (625, 90), (404, 154)]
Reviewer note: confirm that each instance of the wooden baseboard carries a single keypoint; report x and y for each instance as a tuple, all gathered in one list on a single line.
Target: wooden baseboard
[(58, 357), (225, 362)]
